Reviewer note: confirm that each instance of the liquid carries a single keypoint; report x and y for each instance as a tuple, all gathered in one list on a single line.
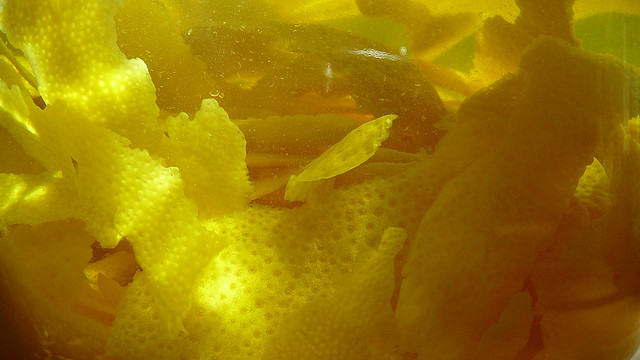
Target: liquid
[(374, 179)]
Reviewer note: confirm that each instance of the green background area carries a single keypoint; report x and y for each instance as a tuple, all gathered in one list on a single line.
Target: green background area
[(459, 57), (381, 29), (611, 33)]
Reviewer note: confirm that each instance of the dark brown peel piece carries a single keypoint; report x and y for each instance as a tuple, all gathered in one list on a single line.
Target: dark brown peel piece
[(311, 58)]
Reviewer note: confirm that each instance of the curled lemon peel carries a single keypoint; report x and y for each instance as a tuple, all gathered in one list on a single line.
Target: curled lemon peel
[(282, 253), (83, 66), (119, 192), (210, 153), (354, 149), (98, 105)]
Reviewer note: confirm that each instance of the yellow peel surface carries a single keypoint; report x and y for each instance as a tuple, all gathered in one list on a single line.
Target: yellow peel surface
[(354, 149), (210, 153), (119, 192), (278, 261), (82, 64), (352, 321)]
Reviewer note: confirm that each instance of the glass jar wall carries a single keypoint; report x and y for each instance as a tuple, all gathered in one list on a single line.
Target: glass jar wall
[(337, 179)]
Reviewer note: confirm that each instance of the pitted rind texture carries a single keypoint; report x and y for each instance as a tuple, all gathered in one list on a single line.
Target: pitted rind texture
[(210, 153), (355, 322), (119, 192), (98, 105), (279, 260), (71, 46)]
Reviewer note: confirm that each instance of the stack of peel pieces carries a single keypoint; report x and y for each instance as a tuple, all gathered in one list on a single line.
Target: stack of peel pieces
[(130, 230)]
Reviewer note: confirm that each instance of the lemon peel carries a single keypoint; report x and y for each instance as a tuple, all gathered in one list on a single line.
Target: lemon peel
[(547, 147), (524, 133), (210, 153), (509, 335), (119, 192), (35, 198), (83, 65), (593, 282), (278, 261), (354, 149), (355, 322), (99, 104)]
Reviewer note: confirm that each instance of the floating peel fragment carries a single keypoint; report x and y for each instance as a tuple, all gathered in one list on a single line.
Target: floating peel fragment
[(356, 147)]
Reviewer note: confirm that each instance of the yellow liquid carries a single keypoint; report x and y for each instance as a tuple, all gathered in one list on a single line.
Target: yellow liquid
[(374, 179)]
